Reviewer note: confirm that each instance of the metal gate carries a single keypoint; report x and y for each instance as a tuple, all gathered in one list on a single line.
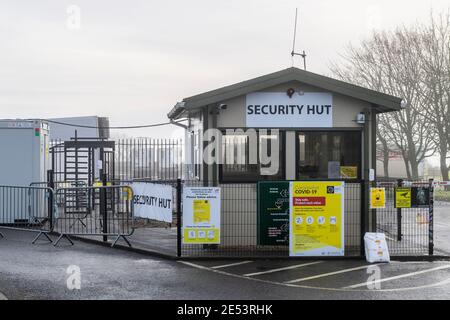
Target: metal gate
[(82, 161), (409, 231)]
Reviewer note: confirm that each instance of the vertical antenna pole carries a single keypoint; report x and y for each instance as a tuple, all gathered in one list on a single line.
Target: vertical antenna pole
[(295, 33), (293, 53)]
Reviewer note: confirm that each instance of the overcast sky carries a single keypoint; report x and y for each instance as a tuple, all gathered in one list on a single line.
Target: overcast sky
[(133, 60)]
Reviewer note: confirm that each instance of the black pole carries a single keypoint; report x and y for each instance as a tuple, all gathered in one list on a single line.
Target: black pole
[(431, 218), (179, 217), (51, 185), (103, 207), (363, 217), (399, 215)]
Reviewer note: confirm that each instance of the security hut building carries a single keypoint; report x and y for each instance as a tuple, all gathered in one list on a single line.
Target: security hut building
[(324, 129)]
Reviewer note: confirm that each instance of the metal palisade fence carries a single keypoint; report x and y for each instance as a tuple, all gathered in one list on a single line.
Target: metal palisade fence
[(79, 161), (145, 158)]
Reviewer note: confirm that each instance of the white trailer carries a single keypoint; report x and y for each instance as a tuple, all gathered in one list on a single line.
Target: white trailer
[(24, 159), (24, 147)]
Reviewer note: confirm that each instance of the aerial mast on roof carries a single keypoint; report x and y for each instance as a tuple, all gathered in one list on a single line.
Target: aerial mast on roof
[(293, 53)]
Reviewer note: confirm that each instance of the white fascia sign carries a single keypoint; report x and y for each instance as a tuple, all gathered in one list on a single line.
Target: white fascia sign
[(278, 110)]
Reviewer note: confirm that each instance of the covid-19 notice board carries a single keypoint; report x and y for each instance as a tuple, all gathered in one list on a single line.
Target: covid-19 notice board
[(201, 215), (316, 218)]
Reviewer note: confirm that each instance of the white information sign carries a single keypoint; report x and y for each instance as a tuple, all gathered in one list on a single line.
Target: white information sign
[(201, 215), (278, 110), (153, 201)]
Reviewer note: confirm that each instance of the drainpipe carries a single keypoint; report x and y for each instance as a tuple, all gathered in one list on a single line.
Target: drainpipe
[(366, 164)]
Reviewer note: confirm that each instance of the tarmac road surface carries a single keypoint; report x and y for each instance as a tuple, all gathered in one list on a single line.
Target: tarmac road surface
[(44, 272)]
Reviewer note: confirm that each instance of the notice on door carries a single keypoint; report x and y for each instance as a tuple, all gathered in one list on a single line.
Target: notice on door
[(201, 215), (316, 218)]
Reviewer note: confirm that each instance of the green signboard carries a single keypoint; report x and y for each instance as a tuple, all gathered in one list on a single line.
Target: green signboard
[(273, 213)]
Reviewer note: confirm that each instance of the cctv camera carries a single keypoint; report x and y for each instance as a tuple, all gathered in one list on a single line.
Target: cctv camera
[(403, 104), (222, 106)]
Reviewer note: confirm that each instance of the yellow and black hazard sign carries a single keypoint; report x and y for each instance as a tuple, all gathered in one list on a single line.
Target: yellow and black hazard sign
[(377, 198), (403, 197)]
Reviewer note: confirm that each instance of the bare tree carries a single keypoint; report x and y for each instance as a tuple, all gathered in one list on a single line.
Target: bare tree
[(435, 83), (390, 62), (383, 149)]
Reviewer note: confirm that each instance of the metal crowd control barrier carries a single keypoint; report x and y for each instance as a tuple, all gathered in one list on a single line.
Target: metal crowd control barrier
[(94, 211), (27, 209)]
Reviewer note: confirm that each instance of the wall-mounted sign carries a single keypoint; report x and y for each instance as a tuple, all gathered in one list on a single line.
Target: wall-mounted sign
[(377, 198), (316, 218), (152, 201), (278, 110), (273, 213), (201, 215)]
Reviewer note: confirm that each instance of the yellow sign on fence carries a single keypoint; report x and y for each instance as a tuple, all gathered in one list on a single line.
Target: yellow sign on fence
[(403, 197), (377, 198), (202, 211), (317, 218), (201, 215)]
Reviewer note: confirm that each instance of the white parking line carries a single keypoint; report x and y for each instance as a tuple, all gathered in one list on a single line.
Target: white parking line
[(329, 274), (441, 224), (398, 277), (281, 269), (432, 285), (231, 265)]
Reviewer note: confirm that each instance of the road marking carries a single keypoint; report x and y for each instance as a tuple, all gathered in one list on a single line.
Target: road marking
[(281, 269), (231, 264), (194, 265), (441, 224), (330, 274), (2, 296), (398, 277), (197, 266)]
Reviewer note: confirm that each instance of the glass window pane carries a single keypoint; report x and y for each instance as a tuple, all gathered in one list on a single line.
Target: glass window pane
[(247, 161), (329, 155)]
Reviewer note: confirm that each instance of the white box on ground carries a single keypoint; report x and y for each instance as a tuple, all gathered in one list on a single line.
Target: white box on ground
[(376, 247)]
